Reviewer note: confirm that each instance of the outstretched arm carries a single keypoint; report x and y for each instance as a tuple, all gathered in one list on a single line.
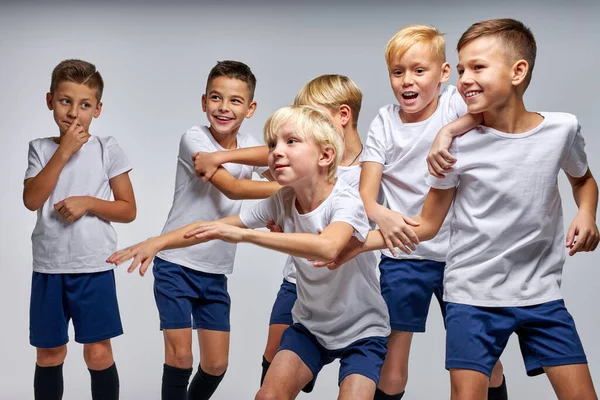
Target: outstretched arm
[(241, 189), (583, 231), (206, 164), (439, 159)]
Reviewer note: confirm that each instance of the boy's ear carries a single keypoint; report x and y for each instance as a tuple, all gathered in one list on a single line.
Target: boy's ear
[(49, 100), (251, 109), (203, 103), (98, 110), (327, 156), (519, 72), (345, 113), (445, 72)]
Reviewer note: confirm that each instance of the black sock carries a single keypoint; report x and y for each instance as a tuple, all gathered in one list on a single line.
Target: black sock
[(265, 368), (105, 383), (498, 393), (174, 382), (379, 395), (309, 386), (204, 385), (48, 383)]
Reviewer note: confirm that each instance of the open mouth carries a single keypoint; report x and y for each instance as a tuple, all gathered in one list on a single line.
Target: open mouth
[(410, 95), (472, 93), (223, 119)]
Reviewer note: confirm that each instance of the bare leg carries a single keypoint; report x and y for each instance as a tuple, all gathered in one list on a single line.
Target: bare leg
[(357, 387), (273, 340), (468, 384), (394, 373), (572, 382), (178, 347), (286, 377)]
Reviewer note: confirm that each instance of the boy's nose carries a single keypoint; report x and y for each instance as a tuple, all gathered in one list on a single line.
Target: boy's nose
[(72, 113)]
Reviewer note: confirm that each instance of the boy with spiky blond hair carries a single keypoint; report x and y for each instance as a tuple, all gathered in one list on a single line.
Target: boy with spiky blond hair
[(394, 160)]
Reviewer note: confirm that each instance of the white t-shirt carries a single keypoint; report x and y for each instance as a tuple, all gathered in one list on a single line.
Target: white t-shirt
[(82, 246), (350, 175), (339, 306), (195, 200), (506, 233), (402, 148)]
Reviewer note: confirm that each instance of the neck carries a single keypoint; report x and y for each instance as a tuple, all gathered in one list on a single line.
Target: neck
[(226, 140), (511, 117), (309, 196), (352, 146)]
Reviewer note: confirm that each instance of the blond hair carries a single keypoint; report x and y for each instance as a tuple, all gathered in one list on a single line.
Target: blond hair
[(331, 92), (410, 35), (517, 40), (309, 124)]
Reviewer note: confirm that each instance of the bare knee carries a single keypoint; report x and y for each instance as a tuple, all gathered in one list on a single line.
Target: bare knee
[(98, 356), (394, 380), (215, 367), (51, 357), (179, 357), (267, 394)]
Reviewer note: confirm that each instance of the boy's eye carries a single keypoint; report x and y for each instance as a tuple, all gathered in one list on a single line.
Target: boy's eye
[(237, 101), (85, 105), (420, 70), (478, 67), (460, 71), (64, 101), (215, 97), (292, 141), (397, 73)]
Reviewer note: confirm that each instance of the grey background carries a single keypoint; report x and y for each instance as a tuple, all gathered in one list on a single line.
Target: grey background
[(155, 60)]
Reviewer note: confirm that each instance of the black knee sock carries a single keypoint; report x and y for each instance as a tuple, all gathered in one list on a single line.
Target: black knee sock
[(379, 395), (203, 385), (265, 367), (105, 383), (174, 382), (48, 383), (498, 393)]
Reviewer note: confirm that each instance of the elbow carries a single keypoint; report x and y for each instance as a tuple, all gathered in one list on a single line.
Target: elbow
[(30, 204), (232, 195), (130, 217), (329, 252)]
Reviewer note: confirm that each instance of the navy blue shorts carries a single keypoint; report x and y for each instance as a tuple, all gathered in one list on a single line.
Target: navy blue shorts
[(182, 294), (476, 336), (407, 287), (282, 308), (90, 300), (364, 357)]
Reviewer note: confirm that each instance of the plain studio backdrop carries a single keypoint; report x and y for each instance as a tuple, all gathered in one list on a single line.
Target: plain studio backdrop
[(155, 59)]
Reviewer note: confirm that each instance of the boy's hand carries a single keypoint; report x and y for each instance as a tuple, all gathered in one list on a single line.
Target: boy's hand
[(73, 208), (75, 137), (273, 227), (396, 231), (206, 164), (142, 253), (216, 230), (439, 159), (352, 249), (583, 233)]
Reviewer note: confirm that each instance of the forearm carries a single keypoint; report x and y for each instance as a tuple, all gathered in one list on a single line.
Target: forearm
[(245, 189), (38, 189), (175, 239), (585, 194), (255, 156), (374, 210), (463, 124), (113, 211), (305, 245)]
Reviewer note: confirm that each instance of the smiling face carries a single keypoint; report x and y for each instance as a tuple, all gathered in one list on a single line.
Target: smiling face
[(71, 100), (485, 72), (226, 103), (415, 78)]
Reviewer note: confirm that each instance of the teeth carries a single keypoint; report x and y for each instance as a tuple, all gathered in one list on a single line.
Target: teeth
[(223, 118), (471, 94), (408, 94)]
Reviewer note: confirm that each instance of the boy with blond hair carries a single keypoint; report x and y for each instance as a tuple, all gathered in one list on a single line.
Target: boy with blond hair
[(338, 314), (505, 265), (394, 161), (341, 99), (190, 285), (69, 181)]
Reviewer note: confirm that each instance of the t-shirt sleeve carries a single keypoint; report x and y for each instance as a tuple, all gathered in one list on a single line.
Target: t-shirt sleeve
[(376, 145), (192, 142), (117, 162), (456, 105), (34, 160), (575, 162), (349, 208), (259, 213)]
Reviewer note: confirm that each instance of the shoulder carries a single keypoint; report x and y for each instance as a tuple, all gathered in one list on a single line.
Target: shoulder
[(247, 140), (560, 119), (345, 194), (40, 142), (107, 141), (197, 135), (385, 117)]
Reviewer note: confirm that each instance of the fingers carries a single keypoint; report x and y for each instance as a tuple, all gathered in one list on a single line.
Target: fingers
[(390, 246), (579, 243), (134, 264), (571, 235), (411, 222), (144, 266)]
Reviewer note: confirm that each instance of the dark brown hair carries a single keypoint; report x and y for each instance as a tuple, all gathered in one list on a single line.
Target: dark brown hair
[(233, 70)]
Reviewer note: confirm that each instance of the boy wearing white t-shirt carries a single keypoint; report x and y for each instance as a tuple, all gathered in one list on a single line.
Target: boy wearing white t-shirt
[(394, 160), (190, 285), (338, 314), (504, 266), (340, 98), (69, 181)]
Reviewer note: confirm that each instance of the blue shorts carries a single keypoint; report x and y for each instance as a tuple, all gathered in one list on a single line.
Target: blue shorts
[(182, 294), (407, 287), (476, 336), (364, 357), (282, 308), (89, 299)]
